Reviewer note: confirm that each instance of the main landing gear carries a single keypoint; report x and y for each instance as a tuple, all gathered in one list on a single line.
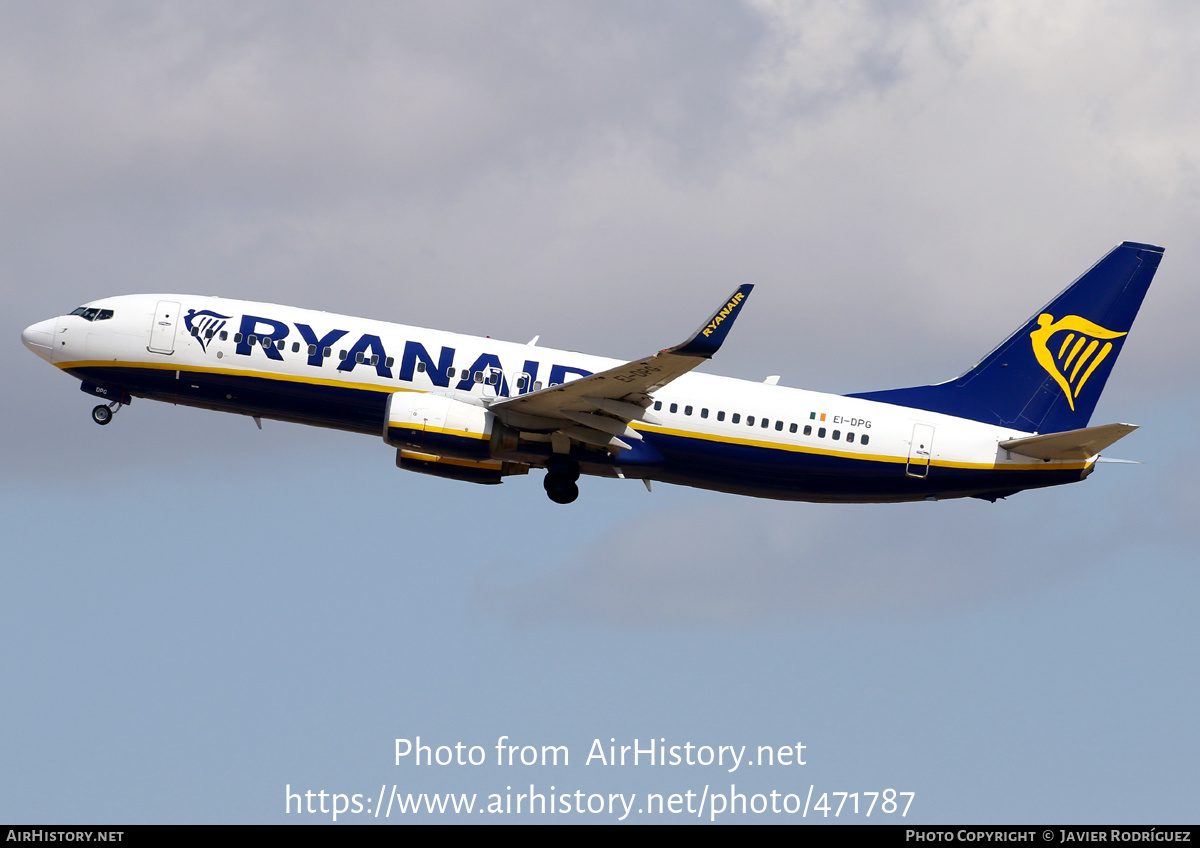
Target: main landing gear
[(560, 480), (104, 413)]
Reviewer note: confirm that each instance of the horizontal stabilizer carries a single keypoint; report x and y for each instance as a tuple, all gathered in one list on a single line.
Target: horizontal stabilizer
[(1073, 444)]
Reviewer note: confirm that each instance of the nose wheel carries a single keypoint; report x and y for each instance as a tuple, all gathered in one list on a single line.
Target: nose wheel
[(104, 413)]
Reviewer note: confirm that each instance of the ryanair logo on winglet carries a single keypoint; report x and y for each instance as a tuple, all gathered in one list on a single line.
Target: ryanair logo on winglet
[(1078, 354), (725, 312)]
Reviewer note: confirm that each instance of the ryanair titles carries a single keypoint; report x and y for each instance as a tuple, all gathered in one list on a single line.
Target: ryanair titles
[(368, 351), (726, 311)]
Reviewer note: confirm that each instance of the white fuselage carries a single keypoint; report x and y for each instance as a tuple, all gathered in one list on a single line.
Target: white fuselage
[(715, 432)]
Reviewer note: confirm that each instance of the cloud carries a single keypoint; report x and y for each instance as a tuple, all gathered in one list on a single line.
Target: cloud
[(741, 562), (914, 176)]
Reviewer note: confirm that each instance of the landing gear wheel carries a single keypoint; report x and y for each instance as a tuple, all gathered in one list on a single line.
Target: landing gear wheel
[(560, 488), (102, 414)]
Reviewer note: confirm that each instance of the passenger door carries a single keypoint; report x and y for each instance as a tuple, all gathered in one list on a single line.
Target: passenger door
[(920, 449), (162, 331)]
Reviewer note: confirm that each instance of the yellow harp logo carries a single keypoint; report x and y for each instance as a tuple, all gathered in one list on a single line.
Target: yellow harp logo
[(1077, 356)]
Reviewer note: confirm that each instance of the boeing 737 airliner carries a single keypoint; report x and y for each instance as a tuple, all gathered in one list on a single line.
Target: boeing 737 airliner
[(480, 410)]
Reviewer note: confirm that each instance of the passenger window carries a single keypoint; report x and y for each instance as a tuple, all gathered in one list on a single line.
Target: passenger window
[(778, 425), (251, 339), (521, 381), (421, 368), (537, 386), (737, 417), (821, 433), (766, 423), (342, 355), (237, 337), (450, 371), (749, 420), (267, 342), (687, 410), (704, 412), (674, 407), (721, 415), (478, 376), (196, 332), (837, 434), (295, 347), (224, 335), (657, 405), (374, 359), (850, 437), (208, 334), (864, 440), (312, 350), (792, 429), (328, 352), (808, 429), (387, 363)]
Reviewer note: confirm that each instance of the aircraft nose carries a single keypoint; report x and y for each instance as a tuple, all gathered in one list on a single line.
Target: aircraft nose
[(39, 338)]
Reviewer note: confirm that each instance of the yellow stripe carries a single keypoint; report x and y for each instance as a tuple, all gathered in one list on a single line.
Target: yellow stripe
[(687, 434), (1090, 350), (373, 387), (1074, 351), (1100, 357), (466, 434), (232, 372), (489, 465)]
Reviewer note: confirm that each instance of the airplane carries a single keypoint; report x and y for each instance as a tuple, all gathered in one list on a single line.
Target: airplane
[(479, 410)]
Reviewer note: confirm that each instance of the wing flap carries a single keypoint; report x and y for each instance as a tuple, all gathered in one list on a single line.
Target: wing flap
[(621, 392), (1070, 444)]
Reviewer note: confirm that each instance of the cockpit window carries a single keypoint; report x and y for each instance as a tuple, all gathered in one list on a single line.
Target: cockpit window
[(88, 313)]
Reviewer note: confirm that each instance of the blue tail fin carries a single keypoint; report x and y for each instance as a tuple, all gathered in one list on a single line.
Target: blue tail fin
[(1047, 376)]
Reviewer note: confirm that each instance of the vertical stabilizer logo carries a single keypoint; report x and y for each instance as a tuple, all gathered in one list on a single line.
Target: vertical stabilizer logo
[(1078, 354), (203, 325)]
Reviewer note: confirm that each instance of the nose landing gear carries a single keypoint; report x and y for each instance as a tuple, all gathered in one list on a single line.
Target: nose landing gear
[(104, 413)]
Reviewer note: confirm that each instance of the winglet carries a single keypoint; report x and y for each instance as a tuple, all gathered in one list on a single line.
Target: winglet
[(708, 339)]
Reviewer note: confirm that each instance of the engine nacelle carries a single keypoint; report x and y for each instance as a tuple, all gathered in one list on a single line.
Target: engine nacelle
[(438, 425)]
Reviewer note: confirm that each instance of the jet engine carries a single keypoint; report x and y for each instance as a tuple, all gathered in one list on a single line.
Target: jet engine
[(436, 424)]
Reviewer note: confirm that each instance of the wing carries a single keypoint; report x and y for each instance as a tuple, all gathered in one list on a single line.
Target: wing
[(596, 410)]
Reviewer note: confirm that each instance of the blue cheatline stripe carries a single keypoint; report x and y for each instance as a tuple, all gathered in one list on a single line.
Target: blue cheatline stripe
[(793, 472)]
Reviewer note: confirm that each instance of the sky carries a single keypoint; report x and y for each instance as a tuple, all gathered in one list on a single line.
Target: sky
[(201, 617)]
